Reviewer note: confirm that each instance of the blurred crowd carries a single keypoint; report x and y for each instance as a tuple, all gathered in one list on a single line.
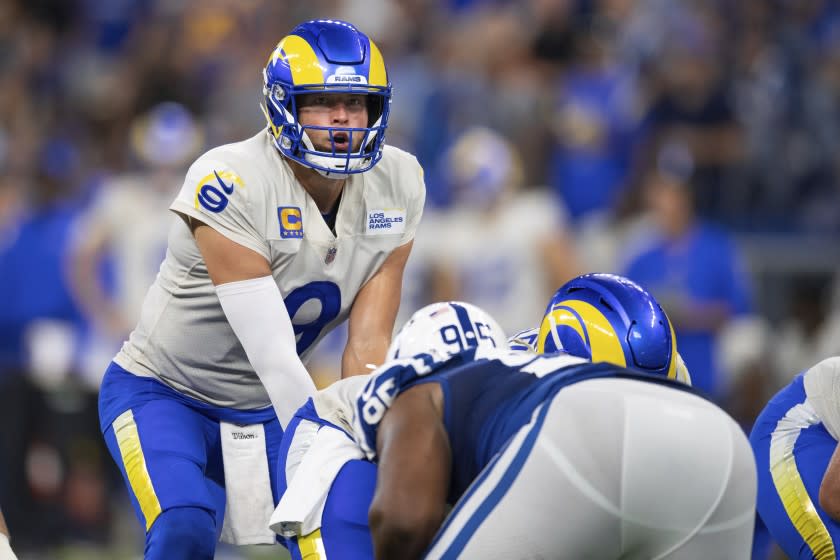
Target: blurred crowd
[(689, 144)]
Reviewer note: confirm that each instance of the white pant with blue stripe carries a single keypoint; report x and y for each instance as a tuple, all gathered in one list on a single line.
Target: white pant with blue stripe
[(612, 469)]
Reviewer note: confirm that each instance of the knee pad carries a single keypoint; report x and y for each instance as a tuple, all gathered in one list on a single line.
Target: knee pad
[(182, 533)]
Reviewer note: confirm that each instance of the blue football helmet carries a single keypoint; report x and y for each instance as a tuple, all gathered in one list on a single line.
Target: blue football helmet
[(609, 318), (445, 329), (334, 57)]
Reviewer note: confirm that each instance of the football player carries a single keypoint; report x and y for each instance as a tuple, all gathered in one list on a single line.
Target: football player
[(795, 440), (281, 237), (544, 456)]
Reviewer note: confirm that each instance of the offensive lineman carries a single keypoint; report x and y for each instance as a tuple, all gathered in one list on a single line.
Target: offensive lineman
[(282, 237)]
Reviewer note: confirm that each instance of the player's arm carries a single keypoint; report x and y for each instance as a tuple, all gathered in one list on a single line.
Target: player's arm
[(414, 464), (257, 314), (830, 487), (372, 316)]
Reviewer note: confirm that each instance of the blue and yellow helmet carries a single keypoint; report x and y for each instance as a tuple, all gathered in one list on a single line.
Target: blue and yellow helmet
[(609, 318), (326, 56)]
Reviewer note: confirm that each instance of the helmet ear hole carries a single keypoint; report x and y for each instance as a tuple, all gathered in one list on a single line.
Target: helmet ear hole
[(647, 351), (279, 94)]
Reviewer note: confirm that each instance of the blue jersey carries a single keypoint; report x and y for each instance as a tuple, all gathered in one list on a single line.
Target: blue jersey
[(486, 400)]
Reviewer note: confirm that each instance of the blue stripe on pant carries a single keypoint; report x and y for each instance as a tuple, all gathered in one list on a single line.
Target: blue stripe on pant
[(467, 525)]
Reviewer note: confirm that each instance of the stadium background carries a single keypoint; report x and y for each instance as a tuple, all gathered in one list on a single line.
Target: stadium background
[(593, 109)]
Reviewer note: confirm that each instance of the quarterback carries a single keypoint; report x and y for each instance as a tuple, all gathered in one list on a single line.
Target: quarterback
[(279, 238)]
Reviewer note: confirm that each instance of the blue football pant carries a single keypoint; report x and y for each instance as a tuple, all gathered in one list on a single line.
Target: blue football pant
[(344, 532), (170, 457), (612, 469)]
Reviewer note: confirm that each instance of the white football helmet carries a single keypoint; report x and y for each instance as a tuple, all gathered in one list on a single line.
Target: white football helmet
[(445, 329)]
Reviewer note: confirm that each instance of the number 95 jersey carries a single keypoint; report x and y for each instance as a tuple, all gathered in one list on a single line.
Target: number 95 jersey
[(247, 192)]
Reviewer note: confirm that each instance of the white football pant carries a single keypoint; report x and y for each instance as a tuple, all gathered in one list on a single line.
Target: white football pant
[(612, 469)]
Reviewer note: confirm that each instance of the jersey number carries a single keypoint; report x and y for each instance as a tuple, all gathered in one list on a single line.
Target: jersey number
[(328, 295), (454, 336), (212, 198)]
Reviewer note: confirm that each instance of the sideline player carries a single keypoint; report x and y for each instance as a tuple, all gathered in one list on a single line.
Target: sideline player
[(282, 237), (795, 440), (332, 514), (550, 456)]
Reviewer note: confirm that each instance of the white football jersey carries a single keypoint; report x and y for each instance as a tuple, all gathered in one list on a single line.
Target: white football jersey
[(248, 193), (337, 403)]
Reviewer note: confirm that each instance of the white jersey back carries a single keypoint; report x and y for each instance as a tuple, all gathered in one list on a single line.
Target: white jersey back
[(248, 193), (822, 388)]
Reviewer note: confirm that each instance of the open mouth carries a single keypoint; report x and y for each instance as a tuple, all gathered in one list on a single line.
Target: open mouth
[(341, 141)]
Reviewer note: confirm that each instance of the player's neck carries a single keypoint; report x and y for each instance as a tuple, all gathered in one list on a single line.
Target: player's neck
[(325, 192)]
